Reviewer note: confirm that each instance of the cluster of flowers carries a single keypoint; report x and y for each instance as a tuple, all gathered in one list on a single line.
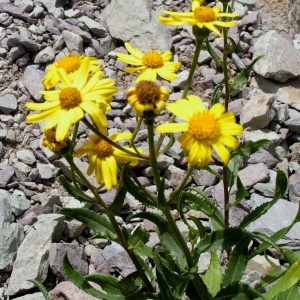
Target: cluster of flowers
[(74, 86)]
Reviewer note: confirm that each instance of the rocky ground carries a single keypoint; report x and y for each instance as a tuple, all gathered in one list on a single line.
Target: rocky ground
[(33, 33)]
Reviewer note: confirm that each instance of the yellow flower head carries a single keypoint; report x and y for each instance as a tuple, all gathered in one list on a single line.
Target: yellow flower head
[(200, 16), (66, 105), (150, 64), (50, 142), (71, 64), (103, 158), (203, 130), (147, 96)]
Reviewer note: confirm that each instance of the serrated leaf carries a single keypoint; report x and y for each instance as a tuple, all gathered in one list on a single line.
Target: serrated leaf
[(281, 185), (79, 280), (41, 287), (135, 191), (237, 263), (139, 237), (71, 189), (241, 193), (200, 227), (249, 147), (131, 283), (288, 280), (243, 76), (220, 240), (108, 283), (271, 277), (204, 205), (95, 221), (238, 291), (232, 170), (213, 276)]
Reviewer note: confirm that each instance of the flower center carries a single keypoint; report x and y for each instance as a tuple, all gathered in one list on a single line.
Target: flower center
[(152, 59), (148, 92), (103, 149), (203, 126), (70, 63), (69, 98), (50, 135), (204, 14)]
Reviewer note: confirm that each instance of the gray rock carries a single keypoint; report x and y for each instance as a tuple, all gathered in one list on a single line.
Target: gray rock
[(113, 258), (283, 212), (181, 79), (293, 122), (11, 237), (34, 296), (258, 112), (50, 5), (32, 81), (280, 62), (15, 53), (49, 200), (30, 215), (45, 56), (249, 3), (204, 57), (73, 228), (25, 5), (26, 156), (294, 187), (205, 178), (5, 210), (8, 103), (32, 257), (69, 291), (175, 176), (6, 173), (289, 95), (19, 203), (95, 27), (22, 171), (136, 22), (16, 12), (70, 202), (74, 42), (46, 171), (76, 257), (263, 156)]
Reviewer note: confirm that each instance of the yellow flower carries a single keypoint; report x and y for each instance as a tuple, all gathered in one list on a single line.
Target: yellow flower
[(50, 142), (103, 157), (71, 64), (203, 130), (147, 96), (201, 16), (66, 105), (150, 64)]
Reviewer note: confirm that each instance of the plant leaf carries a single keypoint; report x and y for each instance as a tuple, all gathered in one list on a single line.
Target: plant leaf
[(288, 280), (118, 201), (213, 276), (79, 280), (241, 193), (41, 287), (131, 283), (290, 294), (213, 54), (237, 262), (232, 170), (249, 147), (93, 220)]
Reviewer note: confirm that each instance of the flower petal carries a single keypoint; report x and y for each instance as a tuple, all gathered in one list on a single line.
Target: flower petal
[(172, 127)]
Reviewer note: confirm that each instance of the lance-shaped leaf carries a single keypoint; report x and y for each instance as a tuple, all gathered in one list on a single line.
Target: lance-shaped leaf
[(241, 193), (220, 240), (249, 147), (132, 283), (290, 294), (41, 287), (281, 185), (118, 201), (80, 281), (237, 262), (95, 221), (213, 276), (288, 280), (232, 170)]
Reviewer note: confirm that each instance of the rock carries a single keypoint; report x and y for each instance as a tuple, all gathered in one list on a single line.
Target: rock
[(280, 62), (22, 171), (95, 27), (32, 81), (74, 42), (262, 156), (5, 210), (19, 203), (113, 258), (50, 5), (25, 5), (175, 175), (49, 200), (260, 264), (35, 296), (73, 229), (136, 22), (11, 237), (69, 291), (76, 257), (289, 95), (205, 178), (294, 187), (46, 171), (45, 56), (26, 156), (8, 103), (258, 112), (32, 257), (30, 215), (6, 173)]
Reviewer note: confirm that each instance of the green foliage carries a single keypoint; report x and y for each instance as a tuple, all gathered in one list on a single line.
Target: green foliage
[(41, 287)]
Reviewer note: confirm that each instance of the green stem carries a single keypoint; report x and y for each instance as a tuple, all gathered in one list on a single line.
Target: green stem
[(115, 224), (199, 42), (202, 292), (152, 152)]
